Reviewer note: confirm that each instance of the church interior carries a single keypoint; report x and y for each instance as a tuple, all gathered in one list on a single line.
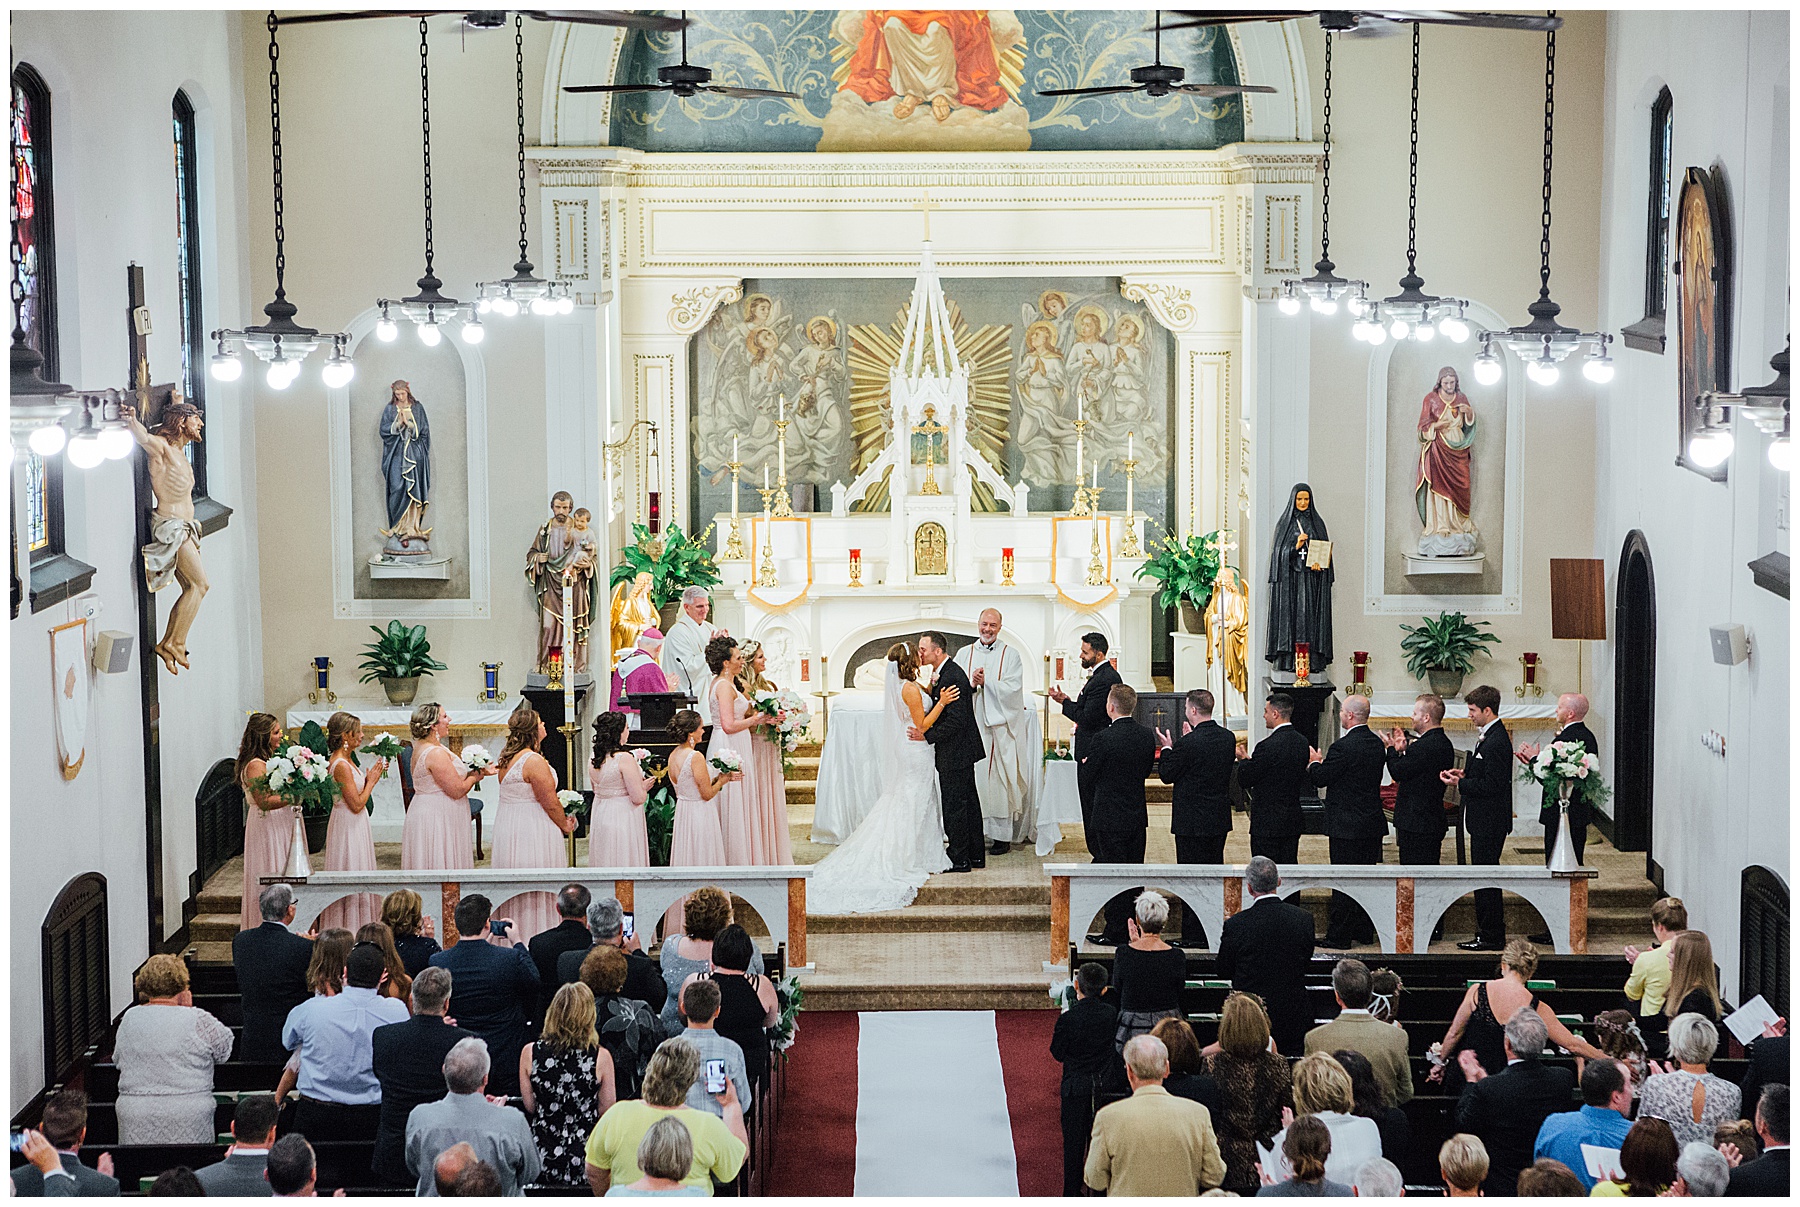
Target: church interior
[(425, 368)]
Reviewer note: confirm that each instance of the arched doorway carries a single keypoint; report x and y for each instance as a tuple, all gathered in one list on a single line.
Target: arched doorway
[(1763, 938), (1634, 702)]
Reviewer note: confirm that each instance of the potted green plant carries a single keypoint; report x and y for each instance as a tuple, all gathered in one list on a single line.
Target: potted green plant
[(1186, 570), (1443, 650), (673, 562), (398, 659)]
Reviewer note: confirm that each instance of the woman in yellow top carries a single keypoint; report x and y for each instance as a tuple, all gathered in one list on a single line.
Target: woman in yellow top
[(1646, 1163)]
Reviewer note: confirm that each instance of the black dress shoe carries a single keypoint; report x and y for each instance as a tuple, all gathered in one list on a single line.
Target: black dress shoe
[(1478, 944), (959, 867), (1334, 942), (1000, 848), (1542, 937)]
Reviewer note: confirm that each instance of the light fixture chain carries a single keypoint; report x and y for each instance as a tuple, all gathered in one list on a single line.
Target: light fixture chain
[(1325, 212), (425, 129), (1549, 149), (519, 81), (275, 144), (1412, 188)]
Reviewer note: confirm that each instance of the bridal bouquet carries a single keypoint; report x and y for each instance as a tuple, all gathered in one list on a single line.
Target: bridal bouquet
[(384, 747), (300, 776), (1560, 763), (726, 761), (475, 758), (792, 719)]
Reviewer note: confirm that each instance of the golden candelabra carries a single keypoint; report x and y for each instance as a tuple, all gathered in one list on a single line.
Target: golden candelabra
[(1083, 503), (765, 573), (1096, 571), (569, 728), (555, 674), (1129, 547), (783, 504), (734, 544)]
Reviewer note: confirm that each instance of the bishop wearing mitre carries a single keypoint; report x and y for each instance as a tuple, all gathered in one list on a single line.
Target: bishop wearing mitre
[(1004, 779)]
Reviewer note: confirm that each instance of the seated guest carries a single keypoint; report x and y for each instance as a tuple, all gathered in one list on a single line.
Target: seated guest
[(1603, 1120), (1083, 1044), (399, 982), (1617, 1034), (293, 1169), (1147, 974), (1256, 1084), (1739, 1132), (665, 1155), (1691, 1100), (1648, 984), (1488, 1006), (706, 912), (1767, 1174), (271, 965), (166, 1049), (1463, 1163), (1548, 1179), (496, 986), (570, 934), (1384, 996), (1379, 1179), (179, 1182), (1701, 1172), (1187, 1078), (325, 977), (242, 1174), (1370, 1102), (1355, 1028), (628, 1030), (340, 1097), (1305, 1151), (1322, 1089), (498, 1134), (478, 1181), (1646, 1163), (643, 979), (566, 1080), (747, 1002), (409, 1065), (1152, 1143), (57, 1145), (404, 913), (1266, 949), (720, 1143), (451, 1164), (700, 1006), (1507, 1109), (1693, 978)]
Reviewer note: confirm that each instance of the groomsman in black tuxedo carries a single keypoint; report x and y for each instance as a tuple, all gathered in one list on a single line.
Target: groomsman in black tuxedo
[(1351, 777), (956, 742), (1198, 764), (1486, 784), (1277, 773), (1119, 759), (1088, 710), (1416, 764)]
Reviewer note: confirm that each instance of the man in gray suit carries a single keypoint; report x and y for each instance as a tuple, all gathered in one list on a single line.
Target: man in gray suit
[(498, 1134), (64, 1128), (243, 1172)]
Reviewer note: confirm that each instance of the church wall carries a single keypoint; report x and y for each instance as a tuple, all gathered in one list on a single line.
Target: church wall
[(1713, 816), (112, 78)]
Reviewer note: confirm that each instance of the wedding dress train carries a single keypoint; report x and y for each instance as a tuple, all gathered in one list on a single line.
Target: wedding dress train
[(900, 843)]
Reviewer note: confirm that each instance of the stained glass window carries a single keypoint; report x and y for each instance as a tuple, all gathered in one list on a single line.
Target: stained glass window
[(25, 113), (187, 253), (37, 287), (1656, 268), (37, 519)]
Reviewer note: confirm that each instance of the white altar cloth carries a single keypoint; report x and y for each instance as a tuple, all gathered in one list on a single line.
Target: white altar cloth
[(1059, 803)]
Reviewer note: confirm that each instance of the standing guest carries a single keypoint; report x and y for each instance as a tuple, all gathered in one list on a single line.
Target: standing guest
[(1351, 776), (1767, 1175), (1009, 775), (414, 930), (1618, 1036), (409, 1065), (699, 838), (54, 1152), (1691, 1100), (956, 747), (606, 928), (1148, 975), (735, 724), (1114, 763), (1602, 1121), (665, 1155), (1152, 1143), (179, 1182), (548, 947), (618, 836), (566, 1080), (1740, 1133), (1276, 771), (1647, 1159), (1305, 1149), (1385, 986), (1767, 1065), (700, 1007), (451, 1164), (1507, 1109), (341, 1099), (1385, 1046), (707, 912), (1257, 1086), (268, 821), (684, 650), (748, 1005), (1187, 1067), (242, 1172), (271, 963), (438, 834), (292, 1169), (629, 1030), (1379, 1179), (1693, 978), (349, 846), (1547, 1179), (325, 972), (1648, 984), (496, 985), (498, 1134), (1088, 710), (1266, 949), (719, 1143), (636, 673), (1486, 786), (1571, 726), (769, 823), (1417, 765), (1701, 1172), (398, 984), (1323, 1090), (165, 1049), (479, 1181), (1199, 765), (1487, 1007), (1463, 1163), (1083, 1044), (530, 827), (1369, 1101)]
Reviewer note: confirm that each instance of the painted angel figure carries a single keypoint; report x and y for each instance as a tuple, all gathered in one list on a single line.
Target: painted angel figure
[(818, 441), (1089, 379), (1043, 430)]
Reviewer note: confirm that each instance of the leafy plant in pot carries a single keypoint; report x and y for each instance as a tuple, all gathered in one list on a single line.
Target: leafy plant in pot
[(1186, 570), (1443, 650), (673, 562), (398, 659)]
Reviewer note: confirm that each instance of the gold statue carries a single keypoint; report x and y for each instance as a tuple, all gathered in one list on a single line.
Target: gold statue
[(1228, 628), (632, 613)]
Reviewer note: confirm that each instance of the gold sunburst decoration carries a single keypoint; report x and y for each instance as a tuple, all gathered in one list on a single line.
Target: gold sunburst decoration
[(986, 352)]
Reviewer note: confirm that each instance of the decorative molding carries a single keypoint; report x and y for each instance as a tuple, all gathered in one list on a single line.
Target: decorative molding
[(1169, 304), (571, 220), (1281, 234), (691, 308)]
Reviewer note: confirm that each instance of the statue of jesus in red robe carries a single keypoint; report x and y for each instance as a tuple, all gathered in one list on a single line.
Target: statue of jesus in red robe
[(1442, 486), (943, 58)]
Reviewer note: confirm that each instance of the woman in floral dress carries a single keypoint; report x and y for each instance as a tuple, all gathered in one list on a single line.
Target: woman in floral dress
[(566, 1080)]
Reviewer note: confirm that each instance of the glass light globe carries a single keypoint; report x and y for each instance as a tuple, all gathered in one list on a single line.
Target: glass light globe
[(542, 307), (1378, 335), (226, 367), (116, 443), (1544, 372), (506, 306), (337, 373), (386, 330), (1358, 306), (473, 332), (484, 306), (1456, 329), (1598, 369), (281, 374), (565, 305), (1399, 329), (1487, 369), (1424, 333), (1288, 304), (1360, 330), (1781, 454), (1709, 450), (85, 451), (1327, 306), (47, 441), (429, 335)]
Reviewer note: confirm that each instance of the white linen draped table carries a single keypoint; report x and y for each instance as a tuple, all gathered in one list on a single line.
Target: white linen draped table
[(1059, 803), (849, 766)]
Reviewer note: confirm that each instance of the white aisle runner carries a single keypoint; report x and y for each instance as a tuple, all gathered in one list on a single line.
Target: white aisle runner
[(931, 1114)]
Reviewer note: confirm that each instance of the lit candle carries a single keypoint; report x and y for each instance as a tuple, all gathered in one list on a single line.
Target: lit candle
[(734, 441), (782, 413), (765, 480), (1130, 445)]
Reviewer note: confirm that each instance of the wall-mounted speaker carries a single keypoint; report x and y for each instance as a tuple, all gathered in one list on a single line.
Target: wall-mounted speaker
[(1730, 644), (112, 652)]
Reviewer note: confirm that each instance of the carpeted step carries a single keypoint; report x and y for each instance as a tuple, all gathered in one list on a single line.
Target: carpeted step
[(937, 919), (214, 927), (862, 972)]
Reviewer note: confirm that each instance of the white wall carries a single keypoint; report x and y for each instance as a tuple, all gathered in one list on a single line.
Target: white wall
[(1728, 75), (112, 77)]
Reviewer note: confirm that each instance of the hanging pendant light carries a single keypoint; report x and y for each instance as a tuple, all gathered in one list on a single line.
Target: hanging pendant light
[(430, 308), (1412, 313), (1766, 406), (1324, 289), (280, 342), (1544, 343), (524, 286)]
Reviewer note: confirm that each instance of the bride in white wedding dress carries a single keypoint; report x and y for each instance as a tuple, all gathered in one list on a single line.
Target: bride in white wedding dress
[(901, 842)]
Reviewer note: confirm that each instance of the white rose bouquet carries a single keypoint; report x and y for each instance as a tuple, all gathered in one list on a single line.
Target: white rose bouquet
[(475, 757), (573, 803), (792, 719), (1569, 763), (726, 761), (385, 746), (300, 776)]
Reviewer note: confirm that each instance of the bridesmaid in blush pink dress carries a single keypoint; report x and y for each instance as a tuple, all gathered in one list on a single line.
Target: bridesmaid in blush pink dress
[(269, 827), (530, 826), (349, 846), (617, 835), (438, 834), (768, 821), (699, 840), (734, 729)]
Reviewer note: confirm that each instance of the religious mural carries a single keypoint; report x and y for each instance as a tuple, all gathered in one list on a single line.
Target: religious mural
[(925, 80), (1041, 353)]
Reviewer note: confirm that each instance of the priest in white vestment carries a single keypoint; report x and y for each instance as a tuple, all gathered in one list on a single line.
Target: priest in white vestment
[(1007, 780), (684, 650)]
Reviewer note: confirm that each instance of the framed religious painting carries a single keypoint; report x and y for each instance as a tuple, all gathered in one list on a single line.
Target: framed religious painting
[(1703, 262)]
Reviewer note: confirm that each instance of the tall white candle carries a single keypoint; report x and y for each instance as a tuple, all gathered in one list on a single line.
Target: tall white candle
[(1130, 446), (782, 413), (568, 623), (765, 480)]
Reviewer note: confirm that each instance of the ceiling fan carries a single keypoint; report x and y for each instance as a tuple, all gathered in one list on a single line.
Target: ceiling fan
[(1371, 22), (685, 79), (1159, 79), (496, 18)]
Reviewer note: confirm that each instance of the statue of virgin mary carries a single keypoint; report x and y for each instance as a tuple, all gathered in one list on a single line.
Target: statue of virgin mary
[(1299, 598), (406, 466)]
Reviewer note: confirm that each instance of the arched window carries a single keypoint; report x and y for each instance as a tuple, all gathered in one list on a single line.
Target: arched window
[(187, 264), (1649, 334), (76, 972), (37, 283)]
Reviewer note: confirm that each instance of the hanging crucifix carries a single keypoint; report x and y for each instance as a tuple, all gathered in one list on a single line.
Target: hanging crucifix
[(934, 436)]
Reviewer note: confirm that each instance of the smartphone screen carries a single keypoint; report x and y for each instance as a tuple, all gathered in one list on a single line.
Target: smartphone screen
[(630, 926), (18, 1141), (715, 1077), (496, 926)]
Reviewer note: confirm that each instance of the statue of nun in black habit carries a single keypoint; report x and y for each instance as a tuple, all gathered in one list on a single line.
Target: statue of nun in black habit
[(1299, 599)]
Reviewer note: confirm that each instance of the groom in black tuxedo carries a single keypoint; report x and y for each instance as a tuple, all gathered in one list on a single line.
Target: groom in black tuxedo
[(957, 742)]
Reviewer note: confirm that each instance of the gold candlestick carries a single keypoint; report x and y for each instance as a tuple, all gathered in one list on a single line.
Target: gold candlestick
[(1129, 547), (734, 544), (1096, 571), (1083, 503), (569, 729), (765, 573), (783, 503)]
